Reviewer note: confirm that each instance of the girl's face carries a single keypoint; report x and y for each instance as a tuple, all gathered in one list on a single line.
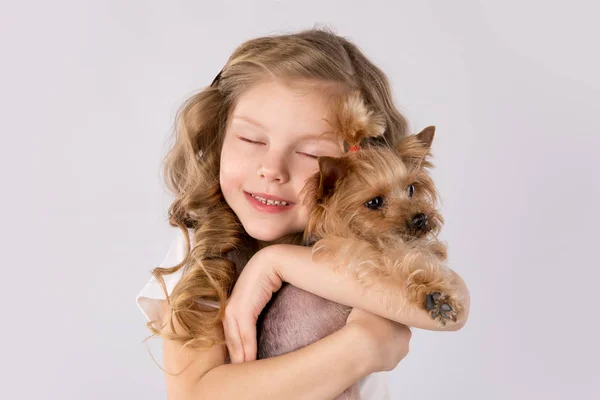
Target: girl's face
[(273, 138)]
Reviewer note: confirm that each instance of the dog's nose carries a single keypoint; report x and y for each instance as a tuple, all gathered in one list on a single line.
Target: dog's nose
[(419, 221)]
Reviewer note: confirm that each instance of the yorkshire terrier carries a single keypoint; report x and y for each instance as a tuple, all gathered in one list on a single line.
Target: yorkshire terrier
[(374, 211)]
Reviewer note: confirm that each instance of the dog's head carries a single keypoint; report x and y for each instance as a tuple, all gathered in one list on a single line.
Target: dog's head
[(377, 193)]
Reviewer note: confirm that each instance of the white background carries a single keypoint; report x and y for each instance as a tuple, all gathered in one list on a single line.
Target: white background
[(88, 94)]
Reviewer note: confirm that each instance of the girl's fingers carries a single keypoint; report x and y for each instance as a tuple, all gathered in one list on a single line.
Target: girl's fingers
[(248, 335), (233, 341)]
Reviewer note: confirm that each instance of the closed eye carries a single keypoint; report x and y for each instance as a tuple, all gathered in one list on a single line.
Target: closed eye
[(312, 156), (249, 140)]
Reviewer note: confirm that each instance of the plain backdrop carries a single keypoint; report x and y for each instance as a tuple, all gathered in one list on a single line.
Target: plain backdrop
[(88, 95)]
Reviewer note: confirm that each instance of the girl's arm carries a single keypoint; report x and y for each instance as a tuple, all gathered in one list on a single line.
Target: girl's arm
[(294, 264), (321, 370)]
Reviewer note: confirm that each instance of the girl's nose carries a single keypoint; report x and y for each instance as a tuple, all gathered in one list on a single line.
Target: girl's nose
[(273, 170)]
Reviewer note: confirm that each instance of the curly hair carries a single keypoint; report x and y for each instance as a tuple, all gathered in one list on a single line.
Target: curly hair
[(191, 167)]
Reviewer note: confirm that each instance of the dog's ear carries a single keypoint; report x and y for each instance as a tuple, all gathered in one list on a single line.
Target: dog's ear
[(331, 171), (426, 136), (415, 149)]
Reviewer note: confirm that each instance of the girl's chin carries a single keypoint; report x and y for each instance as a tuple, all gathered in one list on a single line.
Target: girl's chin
[(264, 234)]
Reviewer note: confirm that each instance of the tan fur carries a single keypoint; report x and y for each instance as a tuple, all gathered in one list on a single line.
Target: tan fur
[(378, 245), (381, 244), (351, 116)]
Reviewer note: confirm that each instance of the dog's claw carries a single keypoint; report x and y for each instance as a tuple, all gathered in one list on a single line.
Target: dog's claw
[(429, 303), (437, 304)]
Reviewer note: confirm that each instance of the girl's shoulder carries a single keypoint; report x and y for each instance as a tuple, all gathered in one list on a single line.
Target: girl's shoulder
[(151, 296)]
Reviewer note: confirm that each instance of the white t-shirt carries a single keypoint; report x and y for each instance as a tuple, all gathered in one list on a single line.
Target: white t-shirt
[(372, 387)]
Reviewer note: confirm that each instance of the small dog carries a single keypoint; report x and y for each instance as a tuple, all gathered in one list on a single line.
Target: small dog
[(373, 210)]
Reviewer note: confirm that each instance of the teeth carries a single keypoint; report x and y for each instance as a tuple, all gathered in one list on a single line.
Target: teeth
[(270, 202)]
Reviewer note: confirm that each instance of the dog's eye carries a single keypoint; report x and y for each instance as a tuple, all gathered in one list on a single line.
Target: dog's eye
[(375, 203), (411, 190)]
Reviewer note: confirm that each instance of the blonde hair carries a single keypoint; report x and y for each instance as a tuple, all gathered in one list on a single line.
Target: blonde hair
[(314, 55)]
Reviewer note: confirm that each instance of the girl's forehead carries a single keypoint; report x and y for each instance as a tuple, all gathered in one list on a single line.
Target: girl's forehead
[(264, 95), (272, 106)]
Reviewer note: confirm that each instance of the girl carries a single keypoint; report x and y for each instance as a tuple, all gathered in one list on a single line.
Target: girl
[(244, 148)]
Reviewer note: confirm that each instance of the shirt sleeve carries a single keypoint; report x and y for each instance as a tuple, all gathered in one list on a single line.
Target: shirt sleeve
[(150, 297)]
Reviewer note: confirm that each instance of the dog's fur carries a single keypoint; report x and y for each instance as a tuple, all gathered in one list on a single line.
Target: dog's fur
[(374, 212)]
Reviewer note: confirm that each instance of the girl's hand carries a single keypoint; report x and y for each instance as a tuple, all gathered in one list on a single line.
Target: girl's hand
[(256, 284), (388, 340)]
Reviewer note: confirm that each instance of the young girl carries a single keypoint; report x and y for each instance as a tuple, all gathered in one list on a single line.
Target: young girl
[(244, 148)]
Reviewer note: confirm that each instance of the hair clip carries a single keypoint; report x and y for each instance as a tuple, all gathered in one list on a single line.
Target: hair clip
[(217, 78), (349, 148)]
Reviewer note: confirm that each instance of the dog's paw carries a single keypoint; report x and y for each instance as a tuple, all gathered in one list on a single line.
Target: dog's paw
[(441, 307)]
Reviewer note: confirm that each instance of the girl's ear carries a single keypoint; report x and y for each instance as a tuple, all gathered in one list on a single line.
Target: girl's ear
[(331, 171)]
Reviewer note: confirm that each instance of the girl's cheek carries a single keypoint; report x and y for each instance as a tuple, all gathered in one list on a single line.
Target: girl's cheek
[(244, 152), (304, 173), (312, 168)]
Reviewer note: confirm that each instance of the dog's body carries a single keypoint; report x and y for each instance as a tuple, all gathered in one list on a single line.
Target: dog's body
[(373, 211), (295, 318)]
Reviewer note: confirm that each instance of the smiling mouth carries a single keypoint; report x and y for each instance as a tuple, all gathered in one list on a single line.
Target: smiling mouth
[(270, 202)]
